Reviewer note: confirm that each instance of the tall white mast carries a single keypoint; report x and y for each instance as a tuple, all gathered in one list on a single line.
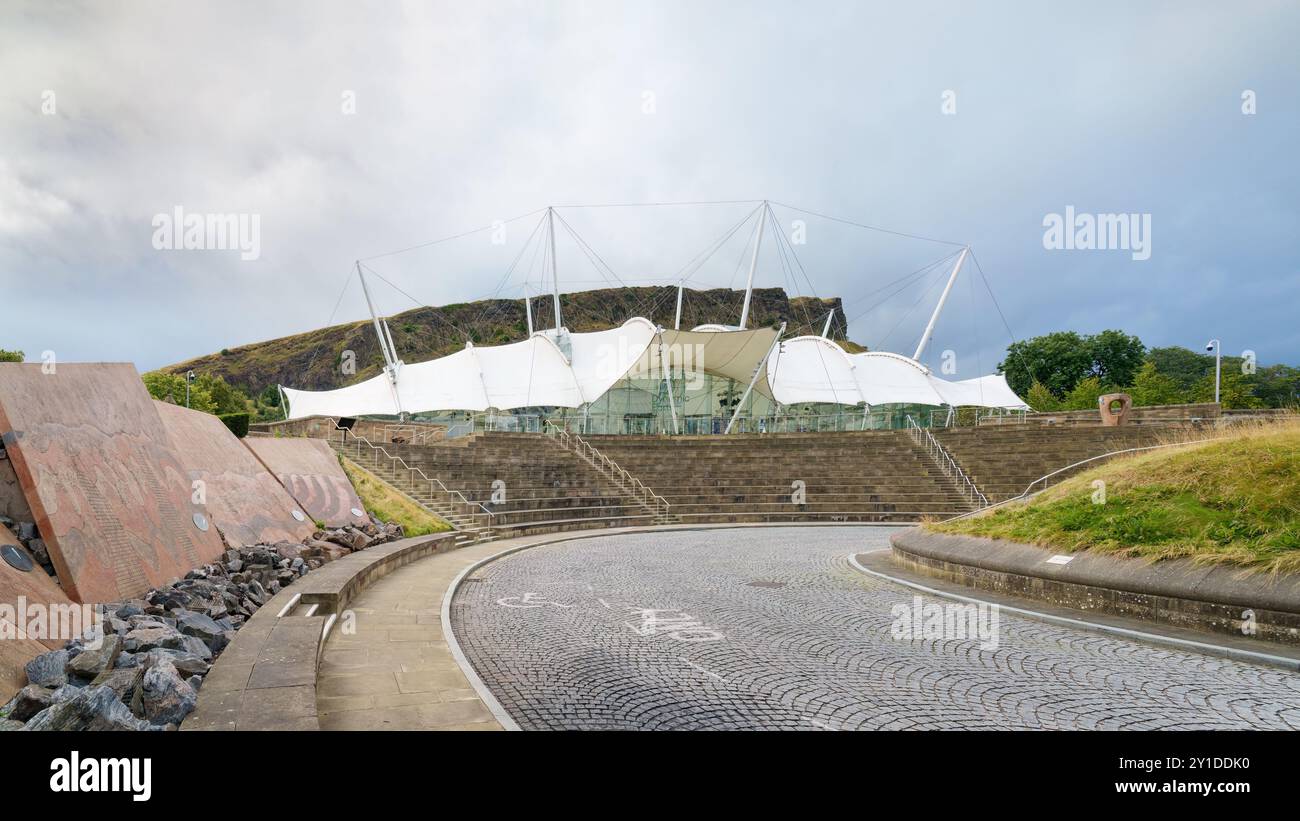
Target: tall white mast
[(555, 280), (757, 370), (392, 349), (929, 328), (826, 330), (677, 326), (384, 342), (379, 329), (753, 264), (528, 310)]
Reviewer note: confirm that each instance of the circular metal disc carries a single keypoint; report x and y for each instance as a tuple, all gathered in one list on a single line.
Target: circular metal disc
[(15, 558), (358, 513), (297, 514), (201, 522)]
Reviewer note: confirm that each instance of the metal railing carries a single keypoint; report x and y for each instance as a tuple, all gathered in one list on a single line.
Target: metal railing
[(607, 466), (415, 434), (926, 441), (433, 481), (1029, 489)]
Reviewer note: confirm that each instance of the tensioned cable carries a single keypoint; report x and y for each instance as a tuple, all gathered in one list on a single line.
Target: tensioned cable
[(781, 242), (450, 238), (659, 204), (914, 277), (418, 303), (492, 309), (908, 313), (692, 267), (330, 321), (989, 288), (868, 227), (998, 307), (920, 270)]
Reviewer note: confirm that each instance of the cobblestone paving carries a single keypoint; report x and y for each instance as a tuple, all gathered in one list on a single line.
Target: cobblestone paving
[(771, 628)]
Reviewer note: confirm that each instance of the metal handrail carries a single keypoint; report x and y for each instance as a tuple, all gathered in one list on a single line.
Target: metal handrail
[(936, 451), (431, 480), (1028, 491), (600, 461)]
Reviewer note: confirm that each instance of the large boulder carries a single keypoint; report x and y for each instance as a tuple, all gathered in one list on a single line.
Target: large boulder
[(148, 637), (92, 708), (124, 681), (27, 702), (204, 628), (190, 645), (187, 664), (96, 658), (167, 698), (49, 669)]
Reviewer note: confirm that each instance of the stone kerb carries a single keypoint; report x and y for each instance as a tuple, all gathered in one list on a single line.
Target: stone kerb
[(266, 678), (1179, 593)]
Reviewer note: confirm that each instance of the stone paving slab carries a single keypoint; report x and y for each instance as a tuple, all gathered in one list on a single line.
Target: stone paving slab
[(310, 471), (247, 504), (396, 671), (110, 497)]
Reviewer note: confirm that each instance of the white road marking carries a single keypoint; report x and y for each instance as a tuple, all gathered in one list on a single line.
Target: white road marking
[(704, 671)]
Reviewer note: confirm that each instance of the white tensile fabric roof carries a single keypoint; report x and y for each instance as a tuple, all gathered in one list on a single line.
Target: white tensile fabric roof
[(537, 373), (815, 369)]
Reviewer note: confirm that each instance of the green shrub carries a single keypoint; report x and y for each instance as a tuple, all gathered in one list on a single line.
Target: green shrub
[(237, 422)]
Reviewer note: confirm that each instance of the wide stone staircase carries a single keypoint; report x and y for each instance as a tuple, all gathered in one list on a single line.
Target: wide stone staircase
[(1002, 460), (868, 476), (496, 485)]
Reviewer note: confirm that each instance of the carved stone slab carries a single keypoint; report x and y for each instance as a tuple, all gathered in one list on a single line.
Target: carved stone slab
[(246, 503), (104, 486), (311, 472)]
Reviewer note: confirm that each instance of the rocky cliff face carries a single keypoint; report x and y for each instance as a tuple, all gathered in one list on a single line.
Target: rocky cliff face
[(312, 360)]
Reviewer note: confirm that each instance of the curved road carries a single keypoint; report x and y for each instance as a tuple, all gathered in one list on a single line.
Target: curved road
[(771, 628)]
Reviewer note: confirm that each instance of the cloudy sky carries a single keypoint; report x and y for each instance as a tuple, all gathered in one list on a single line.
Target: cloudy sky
[(349, 132)]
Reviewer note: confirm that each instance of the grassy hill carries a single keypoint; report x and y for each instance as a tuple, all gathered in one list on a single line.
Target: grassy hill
[(311, 360), (1235, 500)]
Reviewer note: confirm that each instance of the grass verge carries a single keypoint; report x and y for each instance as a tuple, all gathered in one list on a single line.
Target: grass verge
[(1234, 501), (390, 504)]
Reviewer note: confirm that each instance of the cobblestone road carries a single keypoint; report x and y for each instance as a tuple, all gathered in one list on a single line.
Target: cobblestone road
[(770, 628)]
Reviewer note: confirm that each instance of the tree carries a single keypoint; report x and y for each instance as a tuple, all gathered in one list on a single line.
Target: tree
[(1084, 395), (1151, 387), (1116, 357), (1060, 360), (208, 393), (10, 356), (1057, 361), (170, 387), (1234, 390), (225, 397), (1184, 366), (1041, 399), (1278, 386)]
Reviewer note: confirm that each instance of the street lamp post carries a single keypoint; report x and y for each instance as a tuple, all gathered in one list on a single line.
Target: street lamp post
[(189, 377), (1214, 345)]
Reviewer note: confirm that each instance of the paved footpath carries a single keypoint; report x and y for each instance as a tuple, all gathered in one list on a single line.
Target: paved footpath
[(395, 671), (772, 628)]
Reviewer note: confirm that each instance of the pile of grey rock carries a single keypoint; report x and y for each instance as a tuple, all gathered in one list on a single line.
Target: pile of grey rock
[(144, 668)]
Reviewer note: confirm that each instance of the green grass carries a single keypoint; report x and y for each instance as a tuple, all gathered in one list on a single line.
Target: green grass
[(390, 504), (1234, 501)]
